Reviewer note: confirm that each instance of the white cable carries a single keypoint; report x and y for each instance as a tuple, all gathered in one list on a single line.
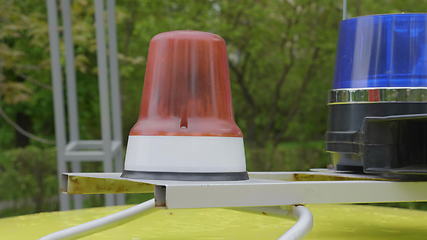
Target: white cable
[(303, 225), (95, 224)]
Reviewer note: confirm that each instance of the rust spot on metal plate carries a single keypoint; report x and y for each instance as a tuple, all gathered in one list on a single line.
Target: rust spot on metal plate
[(91, 185), (324, 177)]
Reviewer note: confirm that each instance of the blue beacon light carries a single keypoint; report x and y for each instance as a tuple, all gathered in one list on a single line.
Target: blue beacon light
[(382, 51), (378, 104)]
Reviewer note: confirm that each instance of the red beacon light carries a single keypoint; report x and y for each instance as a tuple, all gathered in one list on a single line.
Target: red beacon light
[(186, 129)]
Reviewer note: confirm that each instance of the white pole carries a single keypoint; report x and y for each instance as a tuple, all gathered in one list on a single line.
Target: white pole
[(344, 10), (103, 91), (70, 74), (58, 101), (116, 108)]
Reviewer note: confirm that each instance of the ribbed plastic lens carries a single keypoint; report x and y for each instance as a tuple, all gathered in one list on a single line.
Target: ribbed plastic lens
[(382, 51), (187, 87)]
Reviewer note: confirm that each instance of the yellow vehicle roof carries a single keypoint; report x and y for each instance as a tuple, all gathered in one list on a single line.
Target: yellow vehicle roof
[(330, 222)]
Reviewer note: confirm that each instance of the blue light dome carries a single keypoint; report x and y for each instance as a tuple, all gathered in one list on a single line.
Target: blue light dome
[(382, 51)]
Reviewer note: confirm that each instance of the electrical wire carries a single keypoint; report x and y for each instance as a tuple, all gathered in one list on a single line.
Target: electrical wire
[(303, 215), (23, 131), (303, 225), (298, 231), (99, 224)]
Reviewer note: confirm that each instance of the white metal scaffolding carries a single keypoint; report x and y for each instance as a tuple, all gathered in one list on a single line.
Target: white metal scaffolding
[(70, 148)]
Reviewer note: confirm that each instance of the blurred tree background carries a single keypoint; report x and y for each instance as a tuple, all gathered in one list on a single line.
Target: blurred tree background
[(281, 57)]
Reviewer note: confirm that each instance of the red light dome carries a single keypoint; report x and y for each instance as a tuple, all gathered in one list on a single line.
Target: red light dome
[(186, 129), (187, 87)]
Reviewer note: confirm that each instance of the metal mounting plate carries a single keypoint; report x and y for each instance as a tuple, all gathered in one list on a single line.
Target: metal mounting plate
[(262, 189)]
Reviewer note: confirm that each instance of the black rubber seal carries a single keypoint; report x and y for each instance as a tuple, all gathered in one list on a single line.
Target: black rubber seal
[(187, 176), (350, 168), (379, 138)]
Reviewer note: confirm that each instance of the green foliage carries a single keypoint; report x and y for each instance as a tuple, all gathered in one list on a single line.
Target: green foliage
[(28, 182), (290, 156), (24, 67), (28, 178)]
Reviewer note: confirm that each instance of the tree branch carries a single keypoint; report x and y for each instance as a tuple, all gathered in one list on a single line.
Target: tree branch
[(299, 94), (23, 131), (240, 77), (283, 76)]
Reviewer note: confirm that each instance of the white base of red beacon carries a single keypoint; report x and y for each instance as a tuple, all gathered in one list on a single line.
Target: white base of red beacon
[(185, 158)]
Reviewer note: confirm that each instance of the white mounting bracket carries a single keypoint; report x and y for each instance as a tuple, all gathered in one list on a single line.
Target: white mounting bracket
[(262, 189)]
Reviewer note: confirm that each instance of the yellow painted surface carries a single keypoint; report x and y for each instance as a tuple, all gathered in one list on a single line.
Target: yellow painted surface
[(331, 222)]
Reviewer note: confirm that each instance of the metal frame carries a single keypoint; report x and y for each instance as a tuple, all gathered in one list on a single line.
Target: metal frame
[(72, 149), (377, 95), (262, 189)]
